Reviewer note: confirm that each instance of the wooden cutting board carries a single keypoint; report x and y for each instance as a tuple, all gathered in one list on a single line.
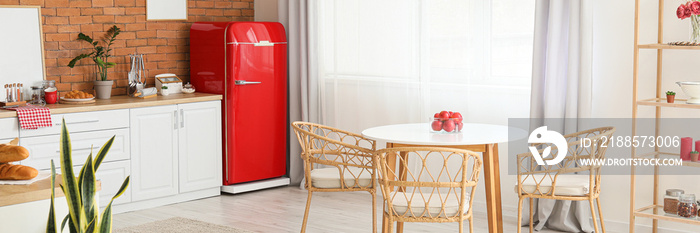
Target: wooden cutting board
[(76, 102)]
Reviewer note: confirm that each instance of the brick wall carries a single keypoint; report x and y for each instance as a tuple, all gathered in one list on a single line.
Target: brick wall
[(165, 44)]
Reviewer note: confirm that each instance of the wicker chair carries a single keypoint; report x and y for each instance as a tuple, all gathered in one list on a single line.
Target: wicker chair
[(347, 159), (558, 181), (434, 185)]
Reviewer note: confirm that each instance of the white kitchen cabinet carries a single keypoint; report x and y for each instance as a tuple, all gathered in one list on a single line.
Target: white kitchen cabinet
[(111, 175), (175, 149), (199, 146), (154, 162)]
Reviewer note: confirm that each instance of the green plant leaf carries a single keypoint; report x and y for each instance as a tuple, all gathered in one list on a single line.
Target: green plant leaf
[(106, 224), (103, 152), (110, 64), (65, 219), (88, 189), (86, 38), (51, 224), (70, 184), (71, 64), (91, 226)]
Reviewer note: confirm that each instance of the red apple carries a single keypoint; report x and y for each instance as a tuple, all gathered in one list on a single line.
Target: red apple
[(436, 116), (457, 116), (444, 115), (460, 125), (436, 125), (448, 126)]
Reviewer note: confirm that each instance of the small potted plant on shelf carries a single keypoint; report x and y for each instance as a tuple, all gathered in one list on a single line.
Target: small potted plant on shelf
[(694, 156), (100, 54), (670, 96)]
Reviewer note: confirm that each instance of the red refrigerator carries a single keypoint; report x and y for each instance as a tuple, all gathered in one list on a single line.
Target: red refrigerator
[(246, 62)]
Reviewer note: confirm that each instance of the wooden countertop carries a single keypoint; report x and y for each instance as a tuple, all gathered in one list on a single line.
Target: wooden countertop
[(122, 102), (40, 190)]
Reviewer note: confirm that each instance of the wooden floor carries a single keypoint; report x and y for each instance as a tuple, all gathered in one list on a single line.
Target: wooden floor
[(282, 210)]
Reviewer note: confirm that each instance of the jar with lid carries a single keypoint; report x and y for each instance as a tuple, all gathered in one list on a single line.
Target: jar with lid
[(36, 96), (671, 200), (687, 207), (46, 84)]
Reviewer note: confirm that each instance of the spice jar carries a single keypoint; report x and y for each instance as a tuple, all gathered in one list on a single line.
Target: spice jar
[(36, 96), (687, 207), (671, 200)]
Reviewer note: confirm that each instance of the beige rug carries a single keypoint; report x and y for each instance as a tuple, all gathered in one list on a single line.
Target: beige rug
[(179, 225)]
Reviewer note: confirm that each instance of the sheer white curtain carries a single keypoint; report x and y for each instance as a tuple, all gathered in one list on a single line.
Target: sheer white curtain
[(400, 61)]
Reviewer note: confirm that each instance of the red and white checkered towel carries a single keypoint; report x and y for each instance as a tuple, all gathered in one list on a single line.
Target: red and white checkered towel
[(33, 117)]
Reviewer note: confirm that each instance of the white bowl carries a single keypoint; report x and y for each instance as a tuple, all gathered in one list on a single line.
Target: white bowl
[(692, 90)]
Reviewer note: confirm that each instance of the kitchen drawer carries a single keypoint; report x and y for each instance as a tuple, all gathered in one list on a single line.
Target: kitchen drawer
[(112, 174), (45, 148), (9, 128), (83, 122)]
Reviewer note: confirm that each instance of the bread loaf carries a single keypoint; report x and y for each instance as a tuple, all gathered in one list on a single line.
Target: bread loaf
[(12, 153), (17, 172)]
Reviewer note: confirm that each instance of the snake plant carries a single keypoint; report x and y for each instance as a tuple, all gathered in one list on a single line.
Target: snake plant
[(80, 192)]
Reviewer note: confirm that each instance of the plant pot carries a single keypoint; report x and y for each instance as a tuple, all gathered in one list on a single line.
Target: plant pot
[(670, 98), (694, 157), (103, 89)]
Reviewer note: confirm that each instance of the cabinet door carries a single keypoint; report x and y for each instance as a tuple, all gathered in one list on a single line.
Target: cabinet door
[(153, 152), (200, 145), (112, 174)]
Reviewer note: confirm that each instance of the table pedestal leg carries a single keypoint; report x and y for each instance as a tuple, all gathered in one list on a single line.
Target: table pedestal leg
[(493, 188)]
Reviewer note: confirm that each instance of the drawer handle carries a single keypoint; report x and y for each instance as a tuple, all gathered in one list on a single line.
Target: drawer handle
[(87, 148), (78, 122)]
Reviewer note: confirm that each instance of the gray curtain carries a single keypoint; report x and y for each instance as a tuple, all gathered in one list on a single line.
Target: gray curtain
[(303, 80), (561, 93)]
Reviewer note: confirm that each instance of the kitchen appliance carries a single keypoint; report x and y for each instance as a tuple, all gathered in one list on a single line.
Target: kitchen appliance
[(171, 81), (246, 62)]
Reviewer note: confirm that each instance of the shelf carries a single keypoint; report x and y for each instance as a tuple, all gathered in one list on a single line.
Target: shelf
[(661, 102), (648, 212), (666, 46), (686, 163)]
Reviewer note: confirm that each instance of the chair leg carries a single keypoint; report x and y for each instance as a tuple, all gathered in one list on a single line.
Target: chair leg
[(385, 223), (471, 224), (461, 226), (532, 214), (520, 214), (399, 227), (390, 225), (374, 212), (306, 213), (600, 214), (595, 221)]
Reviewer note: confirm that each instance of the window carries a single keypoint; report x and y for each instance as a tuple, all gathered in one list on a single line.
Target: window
[(399, 61)]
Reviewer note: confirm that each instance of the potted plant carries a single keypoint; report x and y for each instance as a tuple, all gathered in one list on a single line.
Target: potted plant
[(670, 96), (164, 91), (80, 191), (100, 55), (694, 156)]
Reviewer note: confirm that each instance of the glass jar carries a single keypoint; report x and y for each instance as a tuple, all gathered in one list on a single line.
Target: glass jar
[(671, 200), (687, 207), (45, 85), (36, 96)]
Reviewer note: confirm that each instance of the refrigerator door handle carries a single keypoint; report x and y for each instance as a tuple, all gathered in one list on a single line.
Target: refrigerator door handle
[(243, 82)]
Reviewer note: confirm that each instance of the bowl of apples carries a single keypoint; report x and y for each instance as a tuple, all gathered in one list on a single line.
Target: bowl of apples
[(446, 122)]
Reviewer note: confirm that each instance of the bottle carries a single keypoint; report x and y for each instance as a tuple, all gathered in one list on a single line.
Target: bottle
[(671, 200)]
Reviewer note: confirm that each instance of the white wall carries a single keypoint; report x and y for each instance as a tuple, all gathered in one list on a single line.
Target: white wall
[(613, 52)]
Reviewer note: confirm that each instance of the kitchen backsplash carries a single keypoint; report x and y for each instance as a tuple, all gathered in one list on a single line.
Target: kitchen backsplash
[(165, 44)]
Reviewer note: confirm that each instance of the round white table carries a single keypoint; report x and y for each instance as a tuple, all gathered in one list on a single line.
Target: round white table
[(475, 137)]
